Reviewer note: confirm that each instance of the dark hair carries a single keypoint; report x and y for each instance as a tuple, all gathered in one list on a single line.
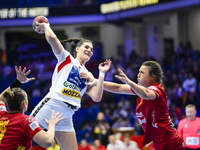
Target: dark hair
[(155, 69), (14, 98), (77, 41)]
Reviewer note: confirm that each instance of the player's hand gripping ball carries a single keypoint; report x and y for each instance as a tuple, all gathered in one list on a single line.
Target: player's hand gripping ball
[(39, 19)]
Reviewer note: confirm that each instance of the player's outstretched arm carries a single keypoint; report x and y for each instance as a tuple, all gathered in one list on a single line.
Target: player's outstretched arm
[(46, 138), (96, 92), (21, 78), (141, 91), (50, 36)]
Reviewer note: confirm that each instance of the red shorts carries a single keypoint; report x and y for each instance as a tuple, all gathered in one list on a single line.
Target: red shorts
[(174, 141)]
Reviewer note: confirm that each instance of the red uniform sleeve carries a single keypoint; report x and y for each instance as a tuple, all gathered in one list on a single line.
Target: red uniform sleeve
[(31, 126), (155, 89)]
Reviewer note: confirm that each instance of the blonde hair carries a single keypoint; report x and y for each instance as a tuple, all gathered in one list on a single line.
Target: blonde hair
[(14, 98), (191, 106)]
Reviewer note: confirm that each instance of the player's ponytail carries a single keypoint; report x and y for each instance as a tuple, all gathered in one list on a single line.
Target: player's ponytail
[(14, 98)]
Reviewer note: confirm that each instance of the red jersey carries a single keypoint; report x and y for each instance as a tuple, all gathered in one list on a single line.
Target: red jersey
[(154, 118), (81, 148), (190, 131), (17, 130)]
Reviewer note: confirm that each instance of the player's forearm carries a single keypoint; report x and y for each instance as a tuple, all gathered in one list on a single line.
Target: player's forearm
[(99, 90), (49, 34), (112, 87), (52, 40), (50, 134), (139, 90)]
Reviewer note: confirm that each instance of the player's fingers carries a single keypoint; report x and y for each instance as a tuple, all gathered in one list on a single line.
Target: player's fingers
[(52, 114), (16, 69), (20, 69), (118, 77), (27, 73), (60, 115), (46, 120), (57, 114), (24, 70), (101, 64), (62, 118), (31, 79)]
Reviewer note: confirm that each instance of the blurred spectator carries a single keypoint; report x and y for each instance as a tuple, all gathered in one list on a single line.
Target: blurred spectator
[(182, 75), (119, 122), (107, 115), (180, 49), (86, 131), (175, 113), (101, 129), (36, 92), (122, 62), (188, 48), (114, 144), (83, 145), (189, 128), (98, 145), (196, 73), (176, 95), (124, 103), (129, 144), (175, 79), (192, 98), (92, 147), (130, 71), (120, 111), (127, 123), (6, 70), (132, 117), (190, 83)]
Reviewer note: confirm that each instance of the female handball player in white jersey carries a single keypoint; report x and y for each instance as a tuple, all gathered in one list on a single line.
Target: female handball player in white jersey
[(67, 86)]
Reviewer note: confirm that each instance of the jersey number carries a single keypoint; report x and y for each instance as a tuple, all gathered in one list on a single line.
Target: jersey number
[(3, 129)]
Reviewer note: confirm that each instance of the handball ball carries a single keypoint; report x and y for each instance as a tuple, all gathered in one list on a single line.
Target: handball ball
[(39, 19)]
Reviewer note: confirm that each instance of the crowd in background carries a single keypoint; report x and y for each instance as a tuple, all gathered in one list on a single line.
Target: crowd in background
[(181, 83)]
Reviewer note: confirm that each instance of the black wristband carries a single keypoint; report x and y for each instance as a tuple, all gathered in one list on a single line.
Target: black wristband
[(15, 83)]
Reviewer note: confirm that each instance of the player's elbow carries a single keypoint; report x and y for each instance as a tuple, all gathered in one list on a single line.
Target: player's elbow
[(47, 143), (44, 139), (97, 98), (144, 95)]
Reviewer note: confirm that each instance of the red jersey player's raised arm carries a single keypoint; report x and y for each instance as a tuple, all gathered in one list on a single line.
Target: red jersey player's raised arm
[(20, 129)]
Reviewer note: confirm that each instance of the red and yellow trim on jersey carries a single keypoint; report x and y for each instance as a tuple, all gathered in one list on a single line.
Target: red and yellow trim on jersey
[(139, 103), (21, 148), (3, 129)]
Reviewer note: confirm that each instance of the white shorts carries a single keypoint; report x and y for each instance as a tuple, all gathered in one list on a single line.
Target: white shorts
[(44, 110)]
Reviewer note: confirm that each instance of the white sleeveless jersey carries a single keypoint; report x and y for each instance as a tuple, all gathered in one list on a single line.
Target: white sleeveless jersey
[(67, 84)]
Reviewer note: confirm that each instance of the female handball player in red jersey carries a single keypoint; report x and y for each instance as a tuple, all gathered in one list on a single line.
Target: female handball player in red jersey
[(16, 129), (67, 85), (152, 108)]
